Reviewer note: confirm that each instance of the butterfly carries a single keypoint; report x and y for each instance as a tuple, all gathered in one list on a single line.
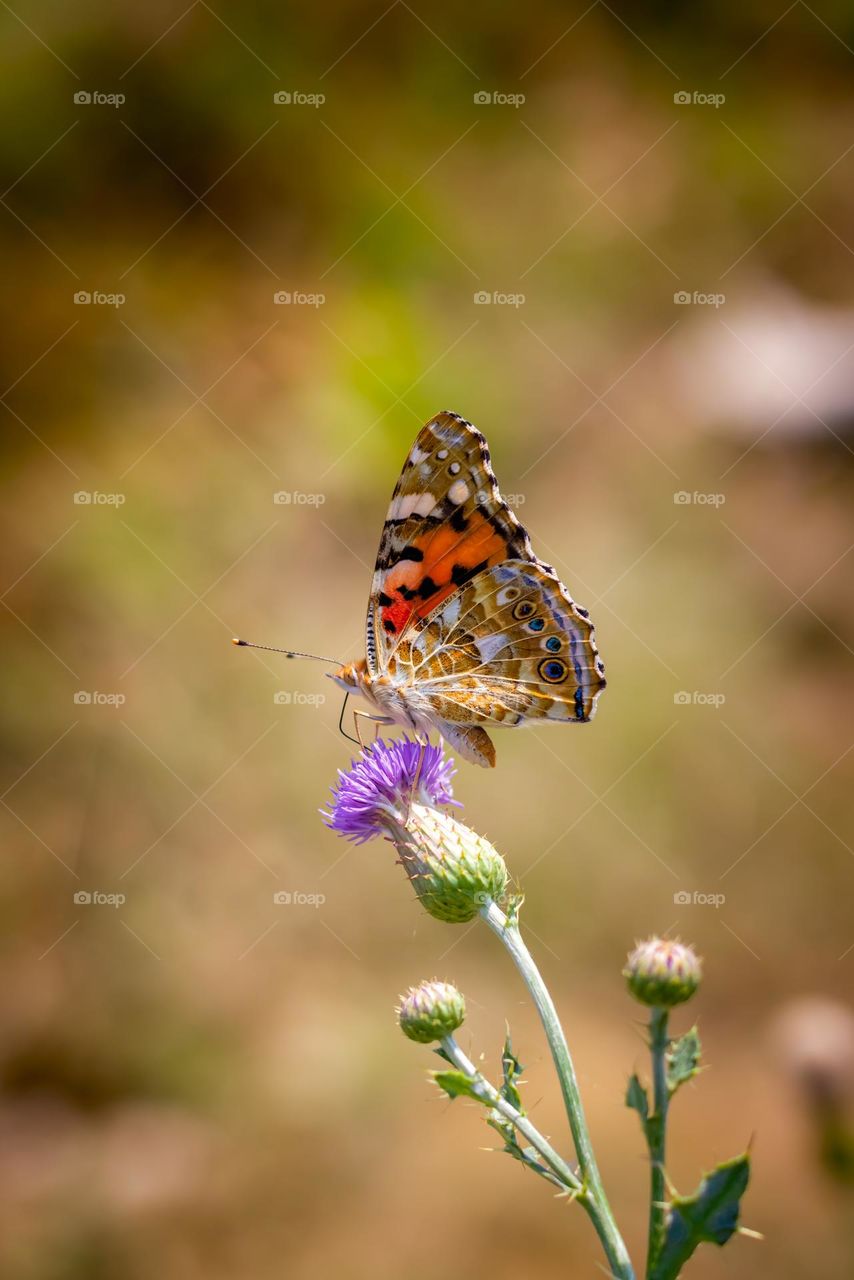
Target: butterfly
[(467, 629)]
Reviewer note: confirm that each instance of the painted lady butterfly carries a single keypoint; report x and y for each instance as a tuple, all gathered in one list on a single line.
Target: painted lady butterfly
[(466, 627)]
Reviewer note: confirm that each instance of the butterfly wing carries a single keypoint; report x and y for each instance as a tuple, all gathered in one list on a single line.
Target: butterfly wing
[(510, 646), (446, 523)]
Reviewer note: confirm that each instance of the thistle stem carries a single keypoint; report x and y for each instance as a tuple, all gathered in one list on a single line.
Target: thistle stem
[(555, 1162), (656, 1130), (593, 1198)]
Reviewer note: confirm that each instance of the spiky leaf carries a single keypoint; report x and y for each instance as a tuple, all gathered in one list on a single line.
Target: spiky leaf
[(709, 1215), (457, 1084), (683, 1059), (511, 1070), (637, 1099)]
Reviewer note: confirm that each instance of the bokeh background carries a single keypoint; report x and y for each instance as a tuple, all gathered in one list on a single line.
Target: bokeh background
[(657, 203)]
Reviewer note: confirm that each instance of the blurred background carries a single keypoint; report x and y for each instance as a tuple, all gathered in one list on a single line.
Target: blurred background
[(249, 250)]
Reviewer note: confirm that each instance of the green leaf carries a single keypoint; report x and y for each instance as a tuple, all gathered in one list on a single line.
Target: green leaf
[(638, 1099), (457, 1084), (709, 1215), (511, 1069), (683, 1059)]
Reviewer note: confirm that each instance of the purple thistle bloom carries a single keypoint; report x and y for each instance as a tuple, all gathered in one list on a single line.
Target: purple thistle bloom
[(378, 786)]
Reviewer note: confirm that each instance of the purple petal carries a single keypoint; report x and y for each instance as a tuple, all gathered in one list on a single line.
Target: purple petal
[(378, 786)]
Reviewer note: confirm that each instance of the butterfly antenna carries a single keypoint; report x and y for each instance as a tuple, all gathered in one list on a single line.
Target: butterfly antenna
[(289, 653)]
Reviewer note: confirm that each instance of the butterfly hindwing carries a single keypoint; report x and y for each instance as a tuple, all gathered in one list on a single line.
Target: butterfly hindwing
[(509, 646), (446, 523)]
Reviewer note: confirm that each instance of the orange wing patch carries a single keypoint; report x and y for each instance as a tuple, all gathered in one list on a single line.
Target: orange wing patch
[(435, 565)]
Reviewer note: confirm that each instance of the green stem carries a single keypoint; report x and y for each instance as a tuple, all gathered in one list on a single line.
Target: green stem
[(593, 1198), (555, 1162), (656, 1130)]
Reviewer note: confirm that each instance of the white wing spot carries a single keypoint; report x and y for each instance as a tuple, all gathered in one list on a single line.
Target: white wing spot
[(458, 492), (454, 468), (442, 455), (408, 504)]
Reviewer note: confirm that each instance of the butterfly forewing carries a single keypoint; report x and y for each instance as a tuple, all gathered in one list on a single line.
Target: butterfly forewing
[(445, 524)]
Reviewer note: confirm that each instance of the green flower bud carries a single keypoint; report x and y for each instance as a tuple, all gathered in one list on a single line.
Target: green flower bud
[(662, 973), (431, 1011), (453, 870)]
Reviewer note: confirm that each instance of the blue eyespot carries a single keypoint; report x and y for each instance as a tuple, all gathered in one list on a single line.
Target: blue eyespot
[(553, 644), (553, 670), (536, 624)]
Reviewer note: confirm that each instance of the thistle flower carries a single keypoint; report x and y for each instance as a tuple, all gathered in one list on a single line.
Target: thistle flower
[(392, 791), (662, 973), (431, 1011), (380, 786)]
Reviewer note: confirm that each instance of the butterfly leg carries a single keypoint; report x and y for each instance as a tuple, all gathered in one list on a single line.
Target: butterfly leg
[(366, 715)]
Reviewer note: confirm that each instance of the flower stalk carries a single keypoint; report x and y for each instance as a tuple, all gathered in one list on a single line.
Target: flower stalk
[(656, 1130), (593, 1200)]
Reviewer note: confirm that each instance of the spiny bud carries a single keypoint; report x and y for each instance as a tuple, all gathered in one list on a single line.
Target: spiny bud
[(662, 973), (454, 871), (431, 1011)]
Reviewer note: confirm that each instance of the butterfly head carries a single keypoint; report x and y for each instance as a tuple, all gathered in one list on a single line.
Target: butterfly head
[(352, 676)]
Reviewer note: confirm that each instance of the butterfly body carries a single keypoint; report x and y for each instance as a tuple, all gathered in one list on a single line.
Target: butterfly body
[(466, 627)]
